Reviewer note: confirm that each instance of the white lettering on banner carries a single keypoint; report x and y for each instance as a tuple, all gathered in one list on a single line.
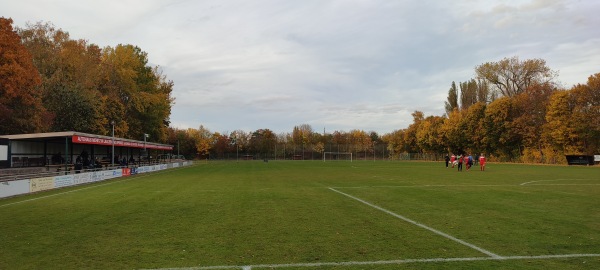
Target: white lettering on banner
[(39, 184), (96, 176), (120, 143), (106, 175), (82, 178), (63, 181), (117, 173)]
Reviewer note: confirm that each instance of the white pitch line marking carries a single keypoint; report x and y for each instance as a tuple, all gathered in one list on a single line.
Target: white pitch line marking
[(354, 263), (532, 183), (491, 254), (424, 186), (553, 180)]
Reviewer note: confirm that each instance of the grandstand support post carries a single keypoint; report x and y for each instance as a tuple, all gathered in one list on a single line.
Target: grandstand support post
[(146, 135), (66, 153)]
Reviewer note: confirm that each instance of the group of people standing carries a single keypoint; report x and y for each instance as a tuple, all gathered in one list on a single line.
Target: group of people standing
[(468, 160), (83, 161)]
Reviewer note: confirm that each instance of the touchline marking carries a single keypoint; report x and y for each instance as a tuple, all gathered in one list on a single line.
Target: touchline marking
[(491, 254), (563, 185), (354, 263)]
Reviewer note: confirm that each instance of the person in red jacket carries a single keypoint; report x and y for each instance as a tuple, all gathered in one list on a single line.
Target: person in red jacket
[(452, 160), (482, 163)]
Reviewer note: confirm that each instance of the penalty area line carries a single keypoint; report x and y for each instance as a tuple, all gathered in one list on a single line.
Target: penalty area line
[(404, 261), (489, 253)]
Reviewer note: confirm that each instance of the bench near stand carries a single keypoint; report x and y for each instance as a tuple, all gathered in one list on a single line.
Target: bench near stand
[(60, 167)]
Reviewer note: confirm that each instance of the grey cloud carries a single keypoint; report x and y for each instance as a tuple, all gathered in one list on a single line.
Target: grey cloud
[(341, 64)]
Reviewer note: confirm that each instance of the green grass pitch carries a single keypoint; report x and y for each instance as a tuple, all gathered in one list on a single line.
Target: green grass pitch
[(313, 215)]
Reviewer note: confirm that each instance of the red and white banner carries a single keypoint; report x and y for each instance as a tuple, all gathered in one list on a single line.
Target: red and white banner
[(101, 141)]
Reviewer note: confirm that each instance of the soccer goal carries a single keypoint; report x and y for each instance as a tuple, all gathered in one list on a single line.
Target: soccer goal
[(337, 156)]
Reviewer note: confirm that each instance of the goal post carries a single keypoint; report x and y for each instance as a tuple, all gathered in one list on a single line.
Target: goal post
[(337, 155)]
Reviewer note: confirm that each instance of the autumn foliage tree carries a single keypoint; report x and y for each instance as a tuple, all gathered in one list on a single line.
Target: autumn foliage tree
[(221, 144), (85, 88), (69, 78), (451, 103), (138, 96), (572, 118), (511, 77), (20, 98), (587, 113)]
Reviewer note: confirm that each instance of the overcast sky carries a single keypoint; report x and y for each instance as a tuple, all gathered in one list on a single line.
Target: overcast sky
[(339, 65)]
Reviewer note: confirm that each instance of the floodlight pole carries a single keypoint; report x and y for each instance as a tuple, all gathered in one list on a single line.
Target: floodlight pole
[(145, 151), (113, 144)]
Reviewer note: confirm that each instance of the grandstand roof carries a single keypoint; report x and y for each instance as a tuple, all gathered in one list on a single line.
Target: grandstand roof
[(86, 138)]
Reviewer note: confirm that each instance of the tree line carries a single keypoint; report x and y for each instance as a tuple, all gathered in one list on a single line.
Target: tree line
[(302, 143), (51, 82), (513, 110)]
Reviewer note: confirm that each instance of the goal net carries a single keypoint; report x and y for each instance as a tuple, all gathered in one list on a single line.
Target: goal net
[(331, 156)]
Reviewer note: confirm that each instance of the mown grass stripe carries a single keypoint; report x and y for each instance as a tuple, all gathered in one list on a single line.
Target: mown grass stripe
[(491, 254)]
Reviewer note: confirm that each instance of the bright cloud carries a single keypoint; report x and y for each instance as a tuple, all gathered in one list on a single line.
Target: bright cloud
[(335, 64)]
